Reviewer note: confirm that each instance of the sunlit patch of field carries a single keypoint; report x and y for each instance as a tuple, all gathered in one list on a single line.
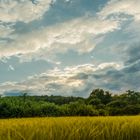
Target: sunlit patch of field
[(71, 128)]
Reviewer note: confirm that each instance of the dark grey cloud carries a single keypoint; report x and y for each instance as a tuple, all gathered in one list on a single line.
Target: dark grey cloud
[(133, 54), (128, 76)]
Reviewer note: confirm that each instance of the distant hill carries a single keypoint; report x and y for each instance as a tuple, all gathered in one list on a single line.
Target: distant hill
[(12, 93)]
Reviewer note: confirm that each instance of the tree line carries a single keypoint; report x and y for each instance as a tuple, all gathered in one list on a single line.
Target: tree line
[(99, 103)]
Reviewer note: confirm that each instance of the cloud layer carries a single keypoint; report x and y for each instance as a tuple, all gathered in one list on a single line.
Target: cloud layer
[(103, 47), (69, 81), (79, 34)]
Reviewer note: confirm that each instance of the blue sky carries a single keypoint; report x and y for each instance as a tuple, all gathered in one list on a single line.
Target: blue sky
[(69, 47)]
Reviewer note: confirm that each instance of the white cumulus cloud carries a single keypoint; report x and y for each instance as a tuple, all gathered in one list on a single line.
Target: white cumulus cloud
[(80, 35), (22, 10), (128, 7)]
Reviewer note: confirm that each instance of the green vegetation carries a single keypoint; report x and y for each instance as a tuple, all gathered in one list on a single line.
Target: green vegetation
[(71, 128), (99, 103)]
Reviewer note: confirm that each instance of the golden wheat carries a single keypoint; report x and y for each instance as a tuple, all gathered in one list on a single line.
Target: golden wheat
[(71, 128)]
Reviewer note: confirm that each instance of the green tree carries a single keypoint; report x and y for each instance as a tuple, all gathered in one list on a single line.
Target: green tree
[(104, 96), (24, 95)]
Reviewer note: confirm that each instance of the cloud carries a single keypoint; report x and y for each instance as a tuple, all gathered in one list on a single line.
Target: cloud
[(22, 10), (77, 80), (11, 68), (117, 7), (81, 79), (80, 35), (5, 30), (124, 11), (133, 54), (127, 77)]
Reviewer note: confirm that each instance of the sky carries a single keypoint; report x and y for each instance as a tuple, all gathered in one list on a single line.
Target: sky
[(69, 47)]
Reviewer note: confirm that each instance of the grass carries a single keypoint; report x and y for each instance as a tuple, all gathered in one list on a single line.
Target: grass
[(71, 128)]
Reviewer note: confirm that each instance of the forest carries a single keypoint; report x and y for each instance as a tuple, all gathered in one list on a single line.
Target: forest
[(99, 103)]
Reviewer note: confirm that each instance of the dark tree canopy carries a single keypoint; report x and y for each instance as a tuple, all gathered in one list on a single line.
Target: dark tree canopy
[(99, 102)]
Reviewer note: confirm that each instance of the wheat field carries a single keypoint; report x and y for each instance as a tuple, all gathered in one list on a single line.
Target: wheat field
[(71, 128)]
